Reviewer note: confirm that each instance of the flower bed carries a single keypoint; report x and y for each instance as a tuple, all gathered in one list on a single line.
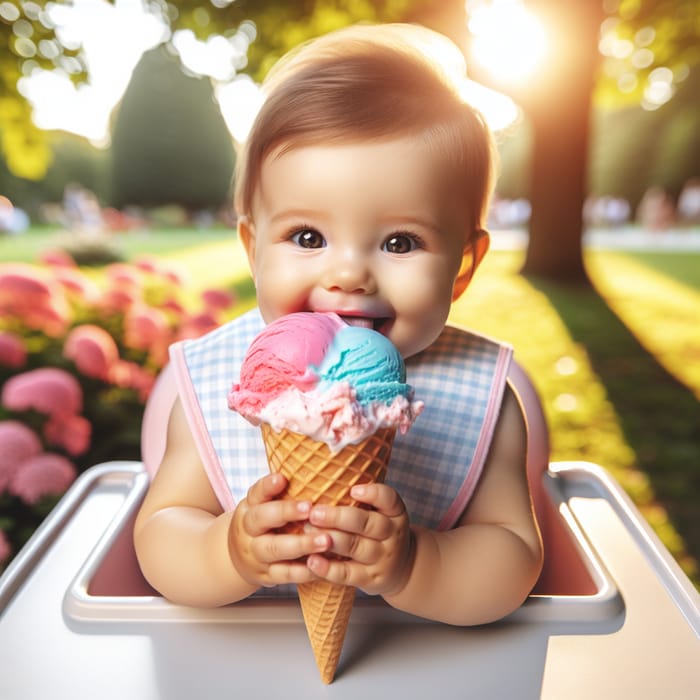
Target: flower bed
[(78, 359)]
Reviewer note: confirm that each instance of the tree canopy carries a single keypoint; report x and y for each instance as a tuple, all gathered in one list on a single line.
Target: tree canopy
[(642, 35), (170, 142), (28, 40)]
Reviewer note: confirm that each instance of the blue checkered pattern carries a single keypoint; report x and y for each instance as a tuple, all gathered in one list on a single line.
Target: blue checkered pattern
[(456, 377)]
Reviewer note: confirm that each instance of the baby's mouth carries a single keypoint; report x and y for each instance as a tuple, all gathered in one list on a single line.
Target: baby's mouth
[(359, 321), (375, 324)]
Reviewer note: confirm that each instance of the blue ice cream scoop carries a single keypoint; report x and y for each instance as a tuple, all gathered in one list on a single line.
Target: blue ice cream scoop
[(369, 362)]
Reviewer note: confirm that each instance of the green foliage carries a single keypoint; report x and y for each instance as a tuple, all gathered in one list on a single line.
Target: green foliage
[(73, 160), (28, 41), (661, 33), (514, 153), (170, 142), (633, 149), (282, 25), (678, 150), (279, 26)]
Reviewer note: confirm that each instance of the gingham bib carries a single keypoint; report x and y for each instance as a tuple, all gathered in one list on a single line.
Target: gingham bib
[(434, 467)]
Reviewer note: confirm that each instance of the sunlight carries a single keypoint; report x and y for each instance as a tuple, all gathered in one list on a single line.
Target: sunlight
[(637, 294), (498, 109), (114, 37), (509, 41), (240, 101)]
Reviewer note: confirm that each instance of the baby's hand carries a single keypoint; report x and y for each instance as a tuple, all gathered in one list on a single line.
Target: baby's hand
[(262, 555), (376, 544)]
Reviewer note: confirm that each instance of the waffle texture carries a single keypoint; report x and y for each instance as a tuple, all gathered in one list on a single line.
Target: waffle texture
[(317, 474)]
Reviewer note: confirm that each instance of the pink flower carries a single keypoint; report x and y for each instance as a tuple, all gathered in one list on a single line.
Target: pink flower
[(48, 390), (38, 303), (173, 305), (92, 349), (129, 375), (77, 284), (146, 264), (12, 350), (217, 299), (173, 277), (70, 432), (57, 258), (144, 326), (17, 444), (197, 325), (118, 300), (123, 275), (5, 548), (42, 475), (23, 280)]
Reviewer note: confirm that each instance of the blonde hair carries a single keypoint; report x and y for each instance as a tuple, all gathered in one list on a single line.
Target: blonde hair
[(368, 83)]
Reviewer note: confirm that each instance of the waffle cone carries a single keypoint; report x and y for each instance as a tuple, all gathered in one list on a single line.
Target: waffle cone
[(316, 474)]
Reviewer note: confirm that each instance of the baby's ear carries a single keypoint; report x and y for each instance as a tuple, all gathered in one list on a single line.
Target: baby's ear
[(474, 253), (246, 234)]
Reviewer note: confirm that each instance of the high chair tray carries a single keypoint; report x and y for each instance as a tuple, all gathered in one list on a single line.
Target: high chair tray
[(77, 620)]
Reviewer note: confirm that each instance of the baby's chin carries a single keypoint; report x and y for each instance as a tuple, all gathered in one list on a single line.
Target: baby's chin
[(409, 345)]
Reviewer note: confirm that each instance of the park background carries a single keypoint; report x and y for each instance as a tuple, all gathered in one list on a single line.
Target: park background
[(119, 239)]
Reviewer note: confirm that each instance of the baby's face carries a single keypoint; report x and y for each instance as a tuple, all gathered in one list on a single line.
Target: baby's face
[(373, 231)]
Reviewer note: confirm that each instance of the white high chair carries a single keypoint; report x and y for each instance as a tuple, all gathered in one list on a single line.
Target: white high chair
[(612, 615)]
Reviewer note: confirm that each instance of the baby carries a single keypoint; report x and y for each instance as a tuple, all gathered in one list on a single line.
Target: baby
[(362, 190)]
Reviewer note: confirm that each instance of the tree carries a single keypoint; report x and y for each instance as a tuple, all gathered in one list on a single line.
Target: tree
[(650, 34), (27, 40), (558, 103), (559, 106), (634, 149), (170, 142)]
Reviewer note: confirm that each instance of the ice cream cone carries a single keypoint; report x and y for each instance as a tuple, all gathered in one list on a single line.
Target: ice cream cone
[(317, 474)]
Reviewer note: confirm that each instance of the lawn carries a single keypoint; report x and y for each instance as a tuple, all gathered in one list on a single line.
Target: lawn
[(618, 368), (26, 247)]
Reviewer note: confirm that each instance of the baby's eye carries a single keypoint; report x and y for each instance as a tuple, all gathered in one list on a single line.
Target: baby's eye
[(308, 238), (401, 243)]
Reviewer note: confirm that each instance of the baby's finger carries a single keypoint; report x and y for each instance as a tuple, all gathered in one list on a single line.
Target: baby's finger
[(274, 514), (381, 497), (362, 550), (358, 521), (338, 571), (289, 572), (275, 549), (269, 487)]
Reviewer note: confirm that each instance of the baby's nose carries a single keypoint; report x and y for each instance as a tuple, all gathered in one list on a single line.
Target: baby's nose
[(350, 272)]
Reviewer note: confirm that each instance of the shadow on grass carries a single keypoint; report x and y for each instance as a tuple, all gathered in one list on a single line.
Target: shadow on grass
[(659, 416)]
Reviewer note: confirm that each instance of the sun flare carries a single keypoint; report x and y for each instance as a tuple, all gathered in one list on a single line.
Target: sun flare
[(508, 40)]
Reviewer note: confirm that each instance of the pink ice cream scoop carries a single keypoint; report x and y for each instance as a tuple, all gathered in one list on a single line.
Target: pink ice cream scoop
[(311, 373), (282, 357)]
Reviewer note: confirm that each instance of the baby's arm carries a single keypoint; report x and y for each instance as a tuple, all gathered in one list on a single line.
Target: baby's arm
[(484, 568), (195, 554)]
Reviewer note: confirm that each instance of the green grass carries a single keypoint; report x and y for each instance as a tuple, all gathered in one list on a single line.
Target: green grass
[(614, 367), (27, 247), (617, 366), (684, 267)]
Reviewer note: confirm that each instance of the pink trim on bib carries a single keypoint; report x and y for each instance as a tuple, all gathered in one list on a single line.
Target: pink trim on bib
[(200, 433), (454, 512)]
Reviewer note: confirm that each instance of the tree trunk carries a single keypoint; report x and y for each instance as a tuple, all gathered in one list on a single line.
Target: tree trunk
[(560, 109), (558, 101)]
